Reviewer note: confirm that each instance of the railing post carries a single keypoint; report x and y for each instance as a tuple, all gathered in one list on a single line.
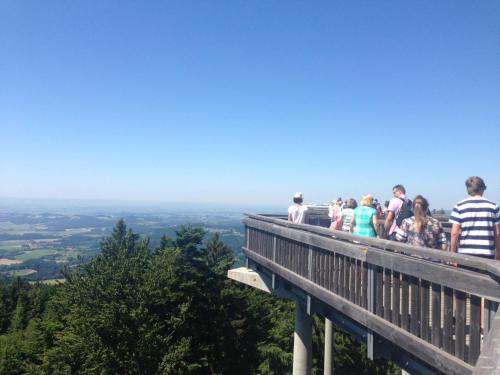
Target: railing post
[(309, 276), (247, 234), (273, 276), (371, 308)]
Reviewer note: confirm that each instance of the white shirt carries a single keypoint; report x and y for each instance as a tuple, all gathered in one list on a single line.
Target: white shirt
[(297, 212)]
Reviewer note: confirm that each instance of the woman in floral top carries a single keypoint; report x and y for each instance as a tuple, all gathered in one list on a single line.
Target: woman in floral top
[(421, 229)]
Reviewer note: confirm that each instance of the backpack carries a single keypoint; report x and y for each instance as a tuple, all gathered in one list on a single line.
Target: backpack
[(405, 212)]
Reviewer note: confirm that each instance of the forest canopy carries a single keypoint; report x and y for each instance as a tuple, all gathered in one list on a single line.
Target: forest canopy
[(134, 309)]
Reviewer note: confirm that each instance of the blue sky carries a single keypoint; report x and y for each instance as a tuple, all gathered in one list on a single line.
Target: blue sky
[(242, 102)]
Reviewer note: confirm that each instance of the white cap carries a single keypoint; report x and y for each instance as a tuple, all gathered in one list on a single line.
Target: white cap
[(297, 195)]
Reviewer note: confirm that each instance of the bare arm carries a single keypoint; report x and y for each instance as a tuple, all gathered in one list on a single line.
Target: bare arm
[(290, 217), (375, 224), (455, 232), (388, 221)]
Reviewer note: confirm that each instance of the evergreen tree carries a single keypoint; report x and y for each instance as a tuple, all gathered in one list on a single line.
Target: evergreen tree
[(173, 310)]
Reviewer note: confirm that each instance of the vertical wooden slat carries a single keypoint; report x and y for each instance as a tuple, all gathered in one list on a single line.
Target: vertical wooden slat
[(314, 275), (336, 273), (341, 276), (324, 279), (325, 269), (306, 262), (330, 270), (303, 261), (460, 325), (387, 294), (295, 257), (283, 252), (317, 267), (358, 282), (364, 285), (379, 291), (320, 266), (436, 315), (404, 301), (352, 279), (448, 320), (475, 329), (414, 308), (289, 256), (424, 309), (347, 266), (396, 298)]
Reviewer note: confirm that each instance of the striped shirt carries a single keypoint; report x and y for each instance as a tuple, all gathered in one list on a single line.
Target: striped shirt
[(347, 215), (477, 218)]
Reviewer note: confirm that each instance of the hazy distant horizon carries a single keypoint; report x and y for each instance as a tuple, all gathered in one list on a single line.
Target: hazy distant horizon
[(103, 206)]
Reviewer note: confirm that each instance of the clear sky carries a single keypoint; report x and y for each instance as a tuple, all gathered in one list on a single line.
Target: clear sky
[(241, 102)]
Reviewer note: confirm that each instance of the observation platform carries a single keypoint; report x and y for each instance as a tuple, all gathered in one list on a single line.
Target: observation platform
[(418, 307)]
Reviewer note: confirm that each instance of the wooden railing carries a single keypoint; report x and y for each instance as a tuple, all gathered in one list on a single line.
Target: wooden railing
[(425, 301)]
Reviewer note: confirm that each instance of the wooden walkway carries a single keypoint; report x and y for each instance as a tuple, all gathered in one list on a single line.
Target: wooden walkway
[(412, 297)]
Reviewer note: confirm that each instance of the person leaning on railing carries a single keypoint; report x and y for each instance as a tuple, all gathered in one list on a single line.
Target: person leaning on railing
[(422, 229), (365, 221)]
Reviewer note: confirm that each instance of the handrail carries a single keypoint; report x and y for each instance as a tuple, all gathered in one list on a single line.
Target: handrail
[(460, 259), (417, 293)]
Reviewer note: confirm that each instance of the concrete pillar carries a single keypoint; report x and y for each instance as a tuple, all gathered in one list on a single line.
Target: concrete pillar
[(302, 341), (328, 359)]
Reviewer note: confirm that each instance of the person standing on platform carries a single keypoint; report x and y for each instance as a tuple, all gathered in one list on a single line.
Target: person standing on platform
[(348, 215), (398, 210), (476, 223), (365, 220), (386, 207), (335, 213), (296, 211), (421, 229)]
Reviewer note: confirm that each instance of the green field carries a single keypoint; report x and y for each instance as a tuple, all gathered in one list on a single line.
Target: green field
[(11, 244), (51, 281), (35, 254), (20, 273)]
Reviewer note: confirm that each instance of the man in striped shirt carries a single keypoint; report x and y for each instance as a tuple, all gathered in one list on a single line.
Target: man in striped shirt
[(476, 223)]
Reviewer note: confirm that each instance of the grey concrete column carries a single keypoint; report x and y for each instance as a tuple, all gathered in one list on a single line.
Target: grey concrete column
[(302, 341), (328, 359)]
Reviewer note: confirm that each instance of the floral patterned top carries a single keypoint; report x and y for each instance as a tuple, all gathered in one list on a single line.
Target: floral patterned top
[(430, 235)]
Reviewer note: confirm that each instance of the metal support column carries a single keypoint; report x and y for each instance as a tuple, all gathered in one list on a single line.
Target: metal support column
[(328, 358), (302, 341)]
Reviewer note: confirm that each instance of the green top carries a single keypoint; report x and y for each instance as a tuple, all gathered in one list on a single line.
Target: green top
[(363, 221)]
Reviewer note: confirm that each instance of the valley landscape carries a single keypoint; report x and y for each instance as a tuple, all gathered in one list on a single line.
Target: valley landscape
[(37, 246)]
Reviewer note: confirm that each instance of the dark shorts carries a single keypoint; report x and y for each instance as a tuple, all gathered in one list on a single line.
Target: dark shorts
[(392, 237)]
